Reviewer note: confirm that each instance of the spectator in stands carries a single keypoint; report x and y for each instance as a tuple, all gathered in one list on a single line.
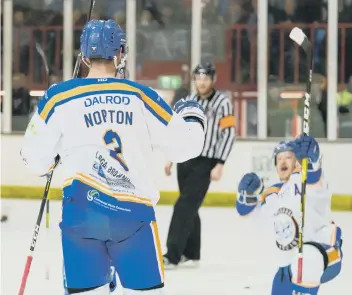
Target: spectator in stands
[(311, 11), (344, 98), (120, 17), (344, 101), (253, 16), (184, 90), (21, 37), (345, 11), (234, 14), (322, 102), (209, 13), (285, 17), (146, 18), (154, 11), (20, 95), (167, 15), (345, 16)]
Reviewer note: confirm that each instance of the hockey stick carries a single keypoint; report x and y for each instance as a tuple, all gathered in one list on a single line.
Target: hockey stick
[(79, 57), (36, 230), (47, 216), (50, 175), (301, 39)]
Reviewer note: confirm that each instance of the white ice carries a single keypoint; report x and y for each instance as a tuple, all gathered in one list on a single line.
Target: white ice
[(234, 261)]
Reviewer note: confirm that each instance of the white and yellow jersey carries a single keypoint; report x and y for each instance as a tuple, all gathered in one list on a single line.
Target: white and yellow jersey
[(105, 131), (284, 207), (280, 205)]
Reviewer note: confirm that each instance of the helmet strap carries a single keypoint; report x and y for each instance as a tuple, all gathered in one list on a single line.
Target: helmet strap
[(87, 62), (120, 64)]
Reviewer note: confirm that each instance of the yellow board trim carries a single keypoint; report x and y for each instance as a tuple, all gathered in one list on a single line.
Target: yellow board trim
[(340, 202)]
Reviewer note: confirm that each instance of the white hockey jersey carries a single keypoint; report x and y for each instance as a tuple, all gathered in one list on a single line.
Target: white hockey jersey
[(105, 131), (281, 203)]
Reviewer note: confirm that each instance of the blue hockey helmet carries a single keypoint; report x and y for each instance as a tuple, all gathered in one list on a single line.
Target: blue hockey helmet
[(102, 39), (283, 146)]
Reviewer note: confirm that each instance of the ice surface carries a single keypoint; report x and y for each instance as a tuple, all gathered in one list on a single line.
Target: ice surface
[(235, 259)]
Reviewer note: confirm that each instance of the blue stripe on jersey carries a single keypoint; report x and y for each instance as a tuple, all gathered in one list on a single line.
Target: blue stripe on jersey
[(106, 204), (63, 92)]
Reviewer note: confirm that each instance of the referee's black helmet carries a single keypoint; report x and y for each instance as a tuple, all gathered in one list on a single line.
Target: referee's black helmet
[(205, 69)]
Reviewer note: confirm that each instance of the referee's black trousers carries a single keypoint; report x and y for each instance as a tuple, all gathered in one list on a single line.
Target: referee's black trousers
[(184, 236)]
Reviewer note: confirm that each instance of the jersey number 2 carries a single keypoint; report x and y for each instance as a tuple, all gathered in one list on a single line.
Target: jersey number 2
[(111, 137)]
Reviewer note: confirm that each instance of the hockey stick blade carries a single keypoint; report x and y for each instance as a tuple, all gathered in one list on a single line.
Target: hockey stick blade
[(301, 39)]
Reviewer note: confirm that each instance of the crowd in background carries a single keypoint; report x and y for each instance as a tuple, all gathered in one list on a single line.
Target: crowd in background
[(163, 15)]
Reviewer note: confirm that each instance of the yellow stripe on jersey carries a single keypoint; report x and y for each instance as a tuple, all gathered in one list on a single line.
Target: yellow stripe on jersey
[(333, 255), (269, 191), (159, 254), (57, 98), (296, 170), (106, 190)]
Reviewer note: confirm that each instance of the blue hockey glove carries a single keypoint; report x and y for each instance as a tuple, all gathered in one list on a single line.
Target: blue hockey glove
[(249, 188), (191, 111), (306, 147)]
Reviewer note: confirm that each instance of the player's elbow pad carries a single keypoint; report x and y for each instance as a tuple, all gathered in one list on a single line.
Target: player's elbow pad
[(191, 145), (36, 165), (196, 140)]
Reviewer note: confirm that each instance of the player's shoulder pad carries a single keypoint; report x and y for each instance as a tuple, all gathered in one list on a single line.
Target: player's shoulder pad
[(273, 189), (152, 101), (56, 89)]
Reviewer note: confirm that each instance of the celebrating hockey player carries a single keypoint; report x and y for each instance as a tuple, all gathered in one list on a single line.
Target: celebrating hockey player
[(105, 130), (322, 240)]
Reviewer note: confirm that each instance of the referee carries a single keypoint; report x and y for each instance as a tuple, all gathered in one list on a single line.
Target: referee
[(194, 176)]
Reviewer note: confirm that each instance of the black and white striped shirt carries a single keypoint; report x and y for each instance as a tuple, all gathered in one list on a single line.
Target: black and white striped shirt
[(220, 134)]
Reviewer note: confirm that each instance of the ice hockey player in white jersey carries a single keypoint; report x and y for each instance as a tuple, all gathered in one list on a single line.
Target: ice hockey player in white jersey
[(105, 130), (322, 254)]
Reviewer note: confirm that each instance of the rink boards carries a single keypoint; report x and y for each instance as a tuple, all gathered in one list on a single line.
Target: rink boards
[(247, 156)]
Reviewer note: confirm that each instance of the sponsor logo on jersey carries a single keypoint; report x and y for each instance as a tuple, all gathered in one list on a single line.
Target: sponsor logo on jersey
[(91, 194), (286, 229), (106, 99), (98, 169)]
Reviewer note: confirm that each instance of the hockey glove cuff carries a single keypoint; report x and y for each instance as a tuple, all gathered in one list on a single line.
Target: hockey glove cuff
[(191, 111)]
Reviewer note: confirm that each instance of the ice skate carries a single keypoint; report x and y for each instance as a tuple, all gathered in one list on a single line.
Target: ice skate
[(188, 263)]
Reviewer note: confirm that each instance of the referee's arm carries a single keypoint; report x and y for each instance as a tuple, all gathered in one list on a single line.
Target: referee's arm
[(227, 131)]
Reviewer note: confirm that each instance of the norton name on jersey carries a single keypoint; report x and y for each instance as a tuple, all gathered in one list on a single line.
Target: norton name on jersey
[(108, 116)]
